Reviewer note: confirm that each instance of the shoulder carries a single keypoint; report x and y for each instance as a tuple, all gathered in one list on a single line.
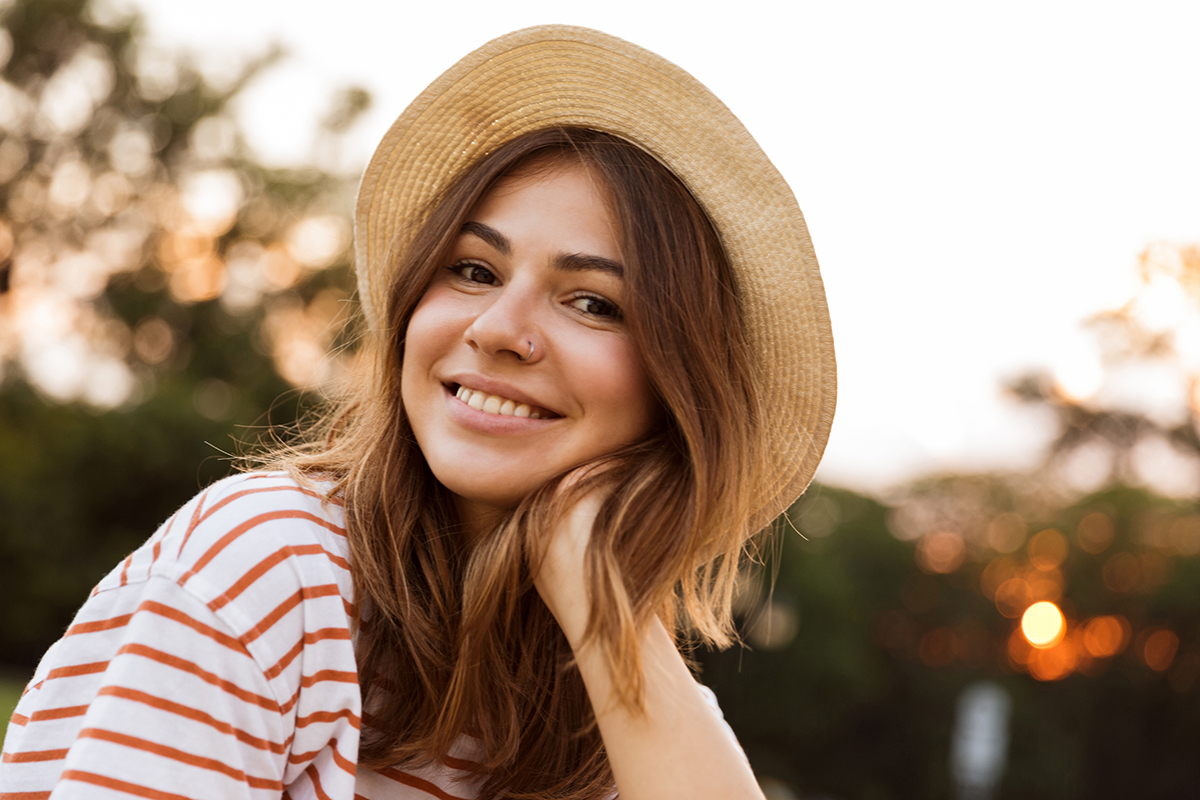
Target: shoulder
[(247, 545)]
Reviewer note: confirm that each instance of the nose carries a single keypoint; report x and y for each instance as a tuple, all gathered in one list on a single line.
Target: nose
[(507, 327)]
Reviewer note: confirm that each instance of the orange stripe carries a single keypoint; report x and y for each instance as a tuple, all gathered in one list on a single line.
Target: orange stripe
[(418, 783), (323, 675), (175, 614), (19, 719), (157, 549), (250, 524), (314, 775), (35, 755), (309, 638), (304, 593), (329, 675), (329, 716), (262, 567), (346, 765), (24, 796), (459, 763), (204, 675), (293, 487), (171, 707), (64, 712), (181, 756), (192, 523), (119, 786), (227, 500), (125, 569), (77, 670), (99, 625)]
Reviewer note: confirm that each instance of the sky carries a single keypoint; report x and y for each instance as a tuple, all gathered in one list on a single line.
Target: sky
[(977, 178)]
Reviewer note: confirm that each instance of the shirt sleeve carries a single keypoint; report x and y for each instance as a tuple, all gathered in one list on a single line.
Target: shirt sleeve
[(181, 710)]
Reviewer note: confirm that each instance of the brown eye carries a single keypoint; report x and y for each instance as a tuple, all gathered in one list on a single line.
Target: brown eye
[(474, 273), (595, 306)]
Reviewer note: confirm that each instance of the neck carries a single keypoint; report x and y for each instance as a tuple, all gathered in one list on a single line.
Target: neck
[(477, 518)]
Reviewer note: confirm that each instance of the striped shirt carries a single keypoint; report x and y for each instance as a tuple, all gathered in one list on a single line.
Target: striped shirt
[(216, 661)]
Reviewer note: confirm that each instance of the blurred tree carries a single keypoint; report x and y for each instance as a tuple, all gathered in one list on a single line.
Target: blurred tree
[(1130, 412), (160, 291), (862, 636)]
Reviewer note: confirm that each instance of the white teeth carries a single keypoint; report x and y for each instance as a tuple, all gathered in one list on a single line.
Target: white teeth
[(495, 404)]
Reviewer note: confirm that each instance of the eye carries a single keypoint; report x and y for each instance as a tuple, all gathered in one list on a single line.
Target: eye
[(595, 306), (473, 272)]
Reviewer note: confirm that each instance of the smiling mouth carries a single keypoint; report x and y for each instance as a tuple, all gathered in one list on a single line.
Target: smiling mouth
[(500, 406)]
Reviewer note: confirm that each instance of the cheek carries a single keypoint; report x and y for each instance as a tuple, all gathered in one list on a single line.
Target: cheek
[(430, 327), (620, 381)]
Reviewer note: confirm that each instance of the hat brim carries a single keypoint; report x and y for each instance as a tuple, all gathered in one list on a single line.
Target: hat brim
[(550, 76)]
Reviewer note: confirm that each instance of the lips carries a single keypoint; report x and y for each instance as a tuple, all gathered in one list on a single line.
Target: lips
[(499, 405)]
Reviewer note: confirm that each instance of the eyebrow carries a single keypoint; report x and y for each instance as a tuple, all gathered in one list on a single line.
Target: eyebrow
[(572, 262)]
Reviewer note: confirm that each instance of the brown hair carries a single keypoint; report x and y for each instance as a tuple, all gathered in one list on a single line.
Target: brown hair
[(454, 639)]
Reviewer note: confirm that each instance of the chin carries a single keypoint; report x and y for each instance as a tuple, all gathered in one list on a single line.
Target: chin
[(487, 495)]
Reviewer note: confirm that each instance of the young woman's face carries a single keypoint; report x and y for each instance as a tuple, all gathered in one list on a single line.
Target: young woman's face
[(537, 266)]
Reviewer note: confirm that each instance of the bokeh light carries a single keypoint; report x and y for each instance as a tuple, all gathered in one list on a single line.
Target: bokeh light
[(941, 552), (1104, 637), (1055, 662), (1159, 648), (1095, 532), (1043, 624), (1048, 549)]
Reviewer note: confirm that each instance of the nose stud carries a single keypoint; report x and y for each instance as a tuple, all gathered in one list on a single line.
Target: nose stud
[(526, 358)]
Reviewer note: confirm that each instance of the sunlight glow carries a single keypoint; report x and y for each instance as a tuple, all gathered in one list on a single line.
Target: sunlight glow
[(1043, 624)]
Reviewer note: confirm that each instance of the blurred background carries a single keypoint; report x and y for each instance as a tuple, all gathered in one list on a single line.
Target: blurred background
[(992, 590)]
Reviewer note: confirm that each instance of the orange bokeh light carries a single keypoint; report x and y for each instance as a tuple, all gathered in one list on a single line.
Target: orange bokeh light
[(1012, 597), (1054, 663), (1159, 649), (1043, 624), (1048, 549), (941, 553), (997, 571), (1104, 637), (1020, 653)]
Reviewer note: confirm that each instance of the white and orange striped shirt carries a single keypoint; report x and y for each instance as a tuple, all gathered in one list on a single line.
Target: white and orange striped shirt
[(216, 661)]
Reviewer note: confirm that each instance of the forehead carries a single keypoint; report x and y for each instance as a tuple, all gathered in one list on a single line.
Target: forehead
[(562, 206)]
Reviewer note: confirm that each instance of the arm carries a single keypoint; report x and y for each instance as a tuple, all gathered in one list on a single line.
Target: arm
[(676, 747)]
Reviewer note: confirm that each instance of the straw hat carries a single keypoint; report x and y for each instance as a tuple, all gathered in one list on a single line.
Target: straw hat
[(566, 76)]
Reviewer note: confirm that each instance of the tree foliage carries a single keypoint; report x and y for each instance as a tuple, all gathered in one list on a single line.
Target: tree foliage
[(164, 296)]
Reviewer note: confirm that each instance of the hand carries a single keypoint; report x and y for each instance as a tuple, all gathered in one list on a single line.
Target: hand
[(561, 579)]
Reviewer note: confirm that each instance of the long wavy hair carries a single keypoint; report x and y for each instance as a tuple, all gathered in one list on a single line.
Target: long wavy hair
[(452, 637)]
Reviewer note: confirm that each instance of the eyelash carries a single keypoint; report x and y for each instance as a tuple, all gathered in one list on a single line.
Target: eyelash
[(459, 269), (611, 311)]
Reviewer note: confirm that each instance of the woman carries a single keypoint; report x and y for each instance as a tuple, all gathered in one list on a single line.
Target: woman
[(598, 359)]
